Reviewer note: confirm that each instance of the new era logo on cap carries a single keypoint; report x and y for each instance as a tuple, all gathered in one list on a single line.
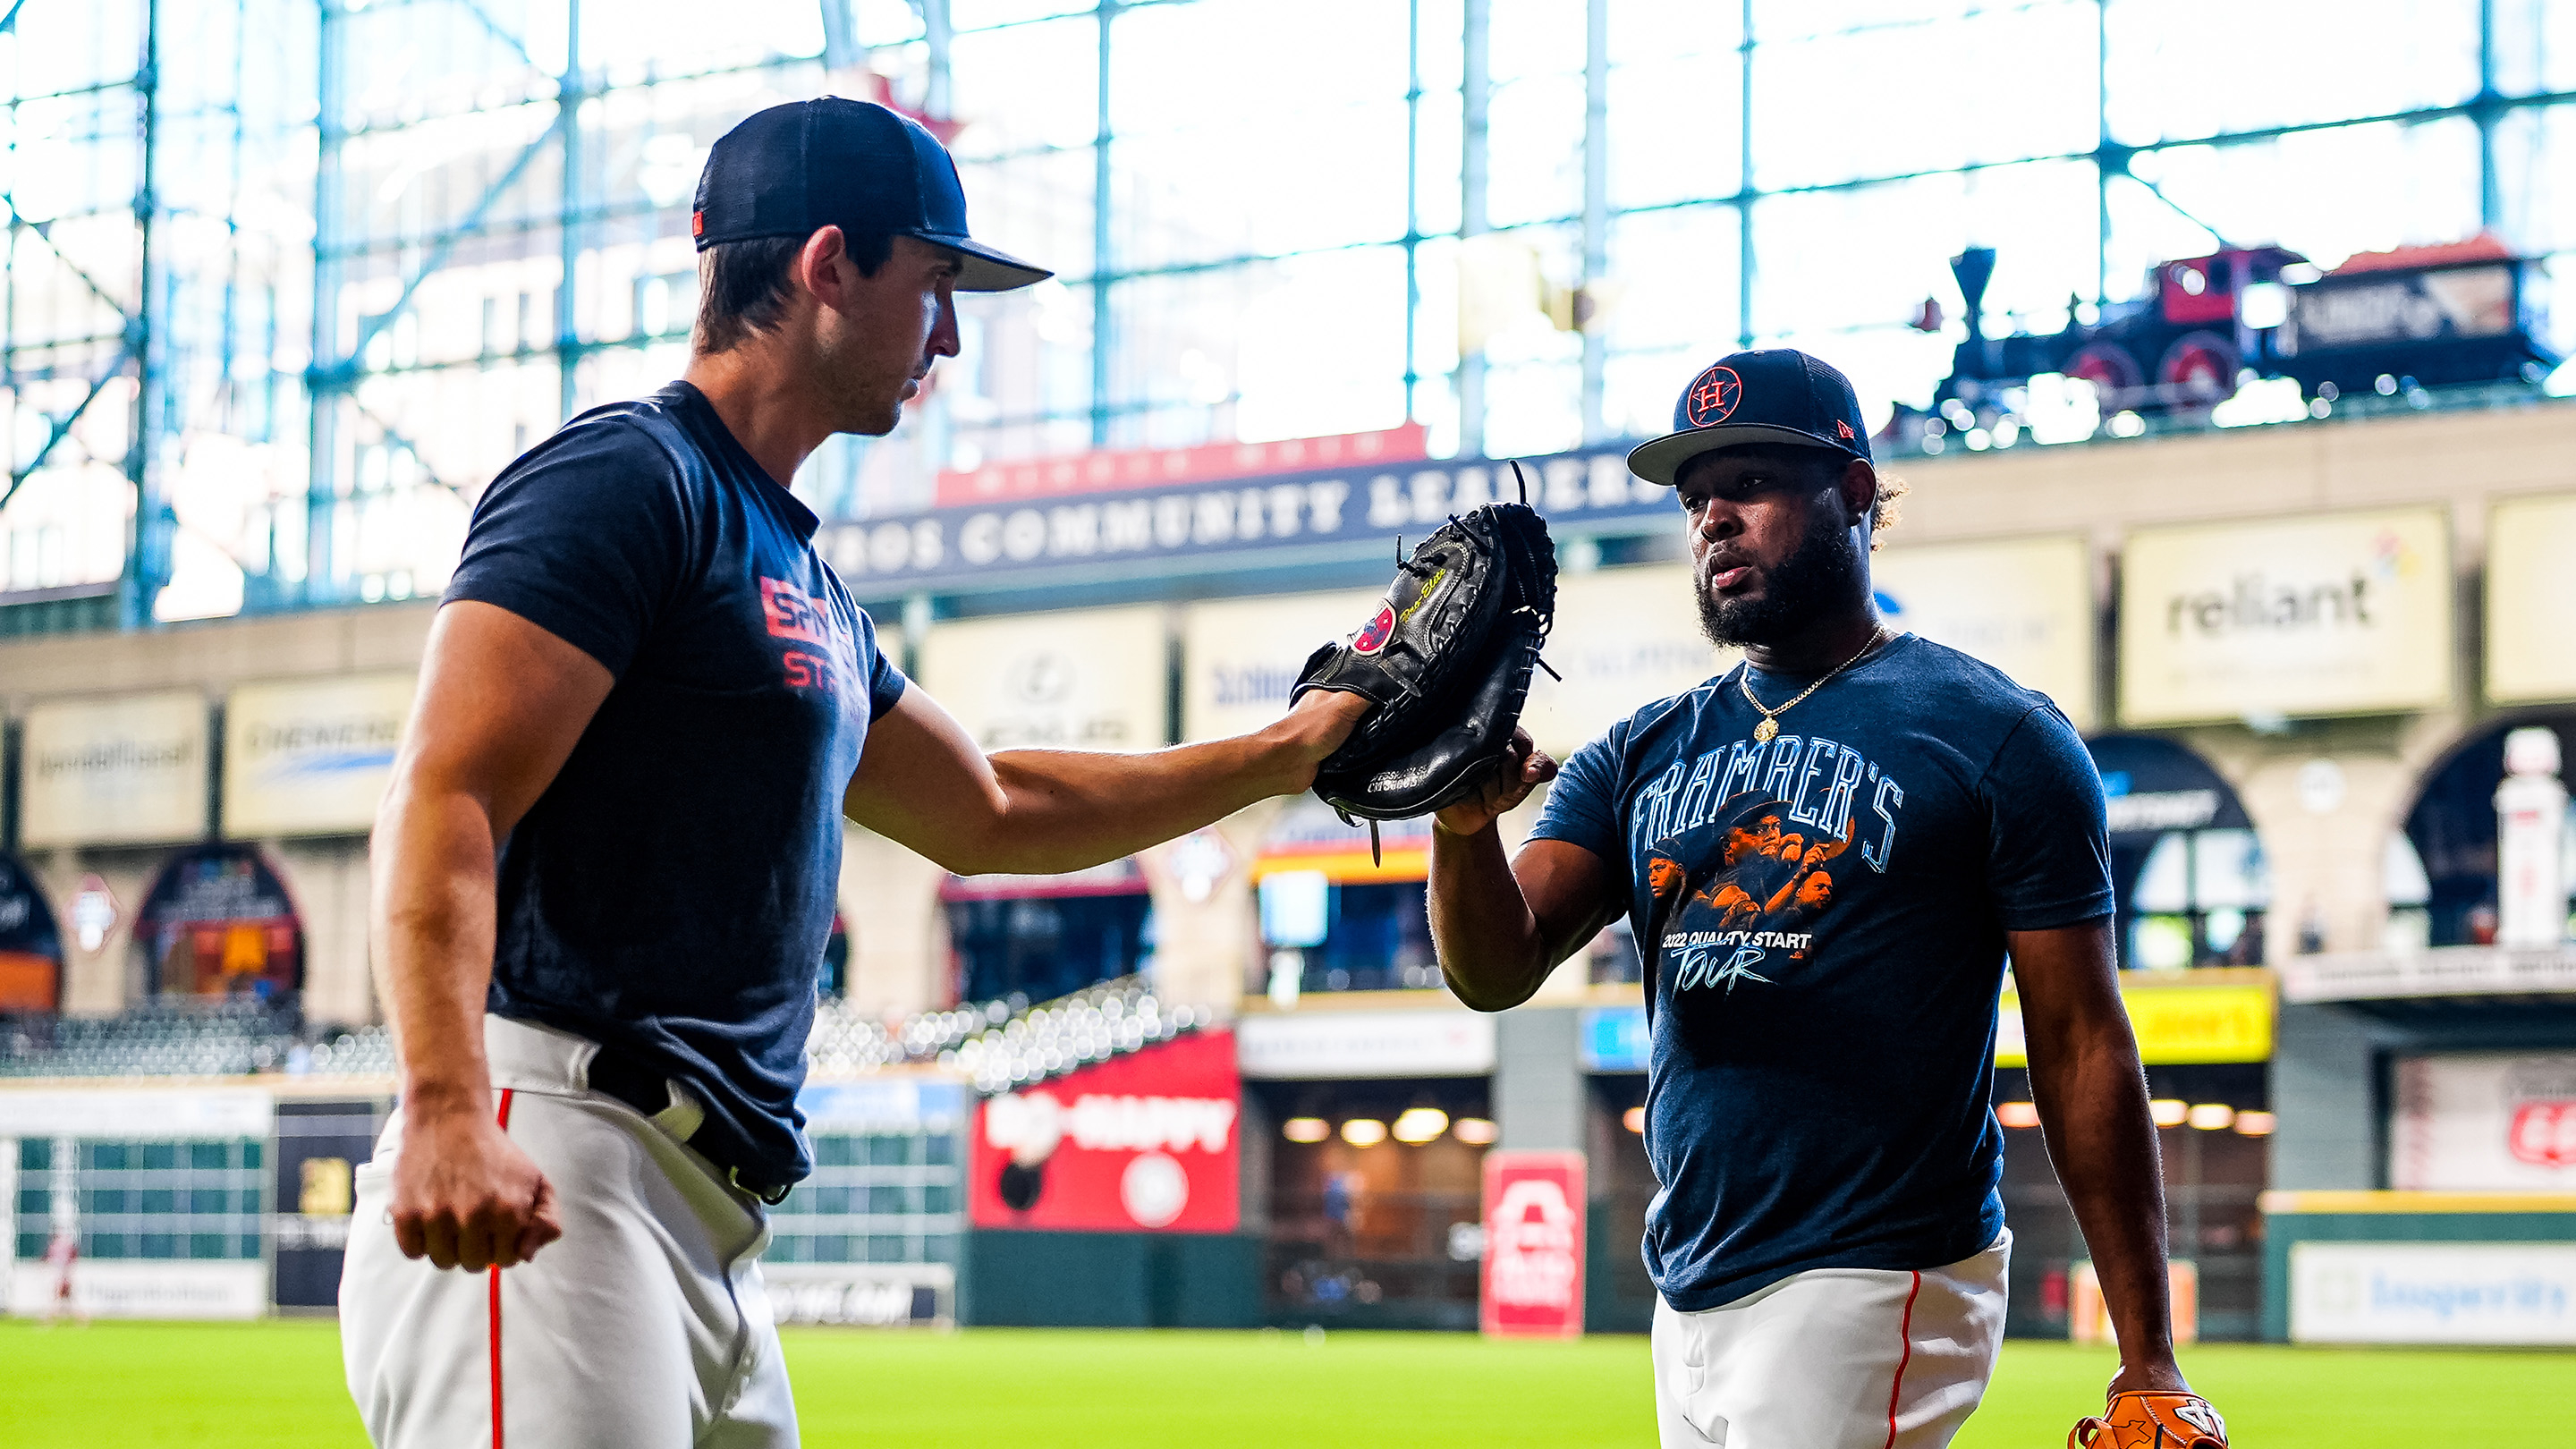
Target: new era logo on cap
[(1774, 395)]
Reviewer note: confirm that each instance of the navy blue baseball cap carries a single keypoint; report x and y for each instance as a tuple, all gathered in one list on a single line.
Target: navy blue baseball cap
[(1776, 395), (794, 169)]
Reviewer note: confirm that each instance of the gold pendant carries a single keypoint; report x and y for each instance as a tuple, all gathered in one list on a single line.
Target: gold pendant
[(1766, 731)]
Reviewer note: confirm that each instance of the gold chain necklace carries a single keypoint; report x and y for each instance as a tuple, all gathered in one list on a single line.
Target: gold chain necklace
[(1769, 729)]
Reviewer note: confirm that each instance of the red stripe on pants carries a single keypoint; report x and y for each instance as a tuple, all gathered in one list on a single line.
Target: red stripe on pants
[(494, 1273), (1904, 1356)]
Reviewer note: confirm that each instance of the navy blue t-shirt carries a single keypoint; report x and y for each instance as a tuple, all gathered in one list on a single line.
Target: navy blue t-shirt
[(1823, 920), (671, 892)]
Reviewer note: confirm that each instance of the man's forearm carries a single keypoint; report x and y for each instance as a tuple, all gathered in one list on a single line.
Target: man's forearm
[(2093, 1104), (1489, 941), (1068, 809), (433, 932)]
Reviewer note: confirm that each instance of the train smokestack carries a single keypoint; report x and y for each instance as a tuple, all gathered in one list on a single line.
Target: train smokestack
[(1973, 268)]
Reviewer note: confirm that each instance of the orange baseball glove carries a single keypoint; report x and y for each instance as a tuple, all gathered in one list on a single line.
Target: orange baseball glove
[(2141, 1420)]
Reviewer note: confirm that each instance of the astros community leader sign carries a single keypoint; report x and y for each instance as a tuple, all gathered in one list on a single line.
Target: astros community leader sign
[(2338, 613)]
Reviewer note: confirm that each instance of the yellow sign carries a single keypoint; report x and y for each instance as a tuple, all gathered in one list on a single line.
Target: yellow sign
[(2338, 613), (2531, 599), (2023, 605), (129, 770), (311, 756), (1624, 638), (2177, 1025), (1085, 679), (1240, 657)]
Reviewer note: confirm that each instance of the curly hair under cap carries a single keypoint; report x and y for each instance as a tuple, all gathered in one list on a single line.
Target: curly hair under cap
[(1889, 510)]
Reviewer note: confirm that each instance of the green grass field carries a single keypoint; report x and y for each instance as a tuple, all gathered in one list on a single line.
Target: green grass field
[(276, 1385)]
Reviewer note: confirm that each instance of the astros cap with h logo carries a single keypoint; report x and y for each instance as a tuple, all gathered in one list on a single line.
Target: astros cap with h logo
[(1775, 395)]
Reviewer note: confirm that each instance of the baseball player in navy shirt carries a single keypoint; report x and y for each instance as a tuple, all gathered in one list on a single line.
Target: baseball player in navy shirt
[(1827, 854), (605, 868)]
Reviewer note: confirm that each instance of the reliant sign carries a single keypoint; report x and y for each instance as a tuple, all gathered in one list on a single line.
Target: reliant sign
[(2023, 605), (2332, 614), (311, 756), (2531, 594), (1336, 513), (1533, 1275), (2485, 1122), (129, 770)]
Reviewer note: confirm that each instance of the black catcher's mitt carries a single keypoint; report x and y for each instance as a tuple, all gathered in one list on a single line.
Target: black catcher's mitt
[(1447, 658)]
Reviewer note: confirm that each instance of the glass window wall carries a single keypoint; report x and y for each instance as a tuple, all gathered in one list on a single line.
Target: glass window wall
[(288, 283)]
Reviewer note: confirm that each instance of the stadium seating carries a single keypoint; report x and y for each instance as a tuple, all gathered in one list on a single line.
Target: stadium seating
[(998, 1044)]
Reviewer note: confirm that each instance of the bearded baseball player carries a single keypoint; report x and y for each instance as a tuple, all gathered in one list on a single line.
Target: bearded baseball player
[(1828, 854), (606, 866)]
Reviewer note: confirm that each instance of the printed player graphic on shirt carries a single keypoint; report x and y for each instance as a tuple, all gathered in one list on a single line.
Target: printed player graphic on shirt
[(1758, 881)]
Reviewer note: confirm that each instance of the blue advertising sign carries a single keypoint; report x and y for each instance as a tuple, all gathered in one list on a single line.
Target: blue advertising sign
[(1287, 518), (884, 1105), (1614, 1039)]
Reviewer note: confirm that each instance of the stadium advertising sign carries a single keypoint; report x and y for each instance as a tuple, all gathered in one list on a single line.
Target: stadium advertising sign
[(146, 1288), (862, 1295), (2531, 594), (1325, 513), (319, 1144), (2177, 1025), (175, 1114), (1147, 1140), (1241, 657), (1360, 1045), (2345, 613), (1533, 1272), (2485, 1122), (1624, 638), (128, 770), (311, 756), (1092, 679), (1614, 1039), (2023, 605), (31, 948), (1102, 469), (896, 1106), (2467, 1293)]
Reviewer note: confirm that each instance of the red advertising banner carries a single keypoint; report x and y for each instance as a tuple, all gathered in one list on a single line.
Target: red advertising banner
[(1144, 1141), (1533, 1282), (1106, 471)]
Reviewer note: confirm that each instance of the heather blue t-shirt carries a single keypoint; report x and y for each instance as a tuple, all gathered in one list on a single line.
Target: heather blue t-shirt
[(1823, 923), (671, 892)]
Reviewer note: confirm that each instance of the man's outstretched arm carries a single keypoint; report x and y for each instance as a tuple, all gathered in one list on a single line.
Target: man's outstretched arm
[(924, 784), (1500, 925), (2091, 1093), (501, 704)]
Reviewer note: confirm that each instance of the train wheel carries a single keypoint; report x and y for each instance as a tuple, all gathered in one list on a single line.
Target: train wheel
[(2199, 369), (2111, 370)]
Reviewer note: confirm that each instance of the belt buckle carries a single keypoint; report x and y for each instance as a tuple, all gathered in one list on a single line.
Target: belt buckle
[(772, 1196)]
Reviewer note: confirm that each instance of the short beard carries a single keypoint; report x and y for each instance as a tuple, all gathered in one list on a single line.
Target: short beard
[(1822, 572)]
